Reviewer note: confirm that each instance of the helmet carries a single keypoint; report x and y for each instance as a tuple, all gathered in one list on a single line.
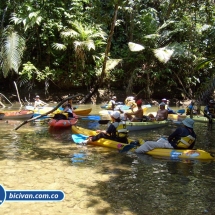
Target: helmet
[(211, 102), (115, 114)]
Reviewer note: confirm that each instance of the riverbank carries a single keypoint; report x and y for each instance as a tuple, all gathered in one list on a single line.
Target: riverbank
[(101, 97)]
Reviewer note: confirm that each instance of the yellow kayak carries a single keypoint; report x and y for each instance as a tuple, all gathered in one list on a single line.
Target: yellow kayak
[(176, 117), (182, 153), (171, 153), (82, 112), (102, 141)]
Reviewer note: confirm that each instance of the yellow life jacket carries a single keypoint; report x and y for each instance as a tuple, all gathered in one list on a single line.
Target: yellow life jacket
[(110, 105), (121, 130), (185, 142)]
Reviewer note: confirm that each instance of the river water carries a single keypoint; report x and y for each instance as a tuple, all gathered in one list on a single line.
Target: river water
[(98, 180)]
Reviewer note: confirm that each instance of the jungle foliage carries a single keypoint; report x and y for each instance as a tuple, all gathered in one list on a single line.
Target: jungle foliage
[(138, 45)]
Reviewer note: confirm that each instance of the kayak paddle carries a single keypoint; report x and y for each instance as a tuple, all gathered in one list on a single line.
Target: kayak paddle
[(90, 117), (79, 138)]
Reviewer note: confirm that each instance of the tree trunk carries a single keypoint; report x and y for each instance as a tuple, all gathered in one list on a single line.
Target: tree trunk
[(103, 73)]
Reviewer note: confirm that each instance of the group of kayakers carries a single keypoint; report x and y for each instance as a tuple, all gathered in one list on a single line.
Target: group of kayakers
[(138, 115), (67, 106), (182, 138)]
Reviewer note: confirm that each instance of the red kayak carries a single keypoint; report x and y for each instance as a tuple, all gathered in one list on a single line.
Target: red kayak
[(63, 123)]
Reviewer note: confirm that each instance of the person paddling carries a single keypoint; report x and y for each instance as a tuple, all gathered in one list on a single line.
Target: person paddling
[(135, 116), (112, 132), (38, 102), (182, 138), (170, 111)]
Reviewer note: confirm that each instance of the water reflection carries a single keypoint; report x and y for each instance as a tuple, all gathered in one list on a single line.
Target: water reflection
[(100, 180)]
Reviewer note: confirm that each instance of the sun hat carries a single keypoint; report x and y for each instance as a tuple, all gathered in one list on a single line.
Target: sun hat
[(115, 114), (162, 103), (188, 122), (139, 102)]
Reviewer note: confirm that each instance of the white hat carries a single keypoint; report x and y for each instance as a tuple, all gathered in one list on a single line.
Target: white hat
[(162, 103), (37, 96), (164, 99), (115, 114), (114, 97), (188, 122)]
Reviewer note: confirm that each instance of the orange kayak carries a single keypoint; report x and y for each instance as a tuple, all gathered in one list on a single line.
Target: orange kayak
[(23, 114)]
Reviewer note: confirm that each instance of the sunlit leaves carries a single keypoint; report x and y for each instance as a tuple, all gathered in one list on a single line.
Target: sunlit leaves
[(134, 47), (112, 63), (28, 20), (59, 46), (69, 33), (11, 54), (163, 54)]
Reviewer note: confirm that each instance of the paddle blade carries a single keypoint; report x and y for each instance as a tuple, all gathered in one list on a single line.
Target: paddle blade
[(93, 125), (91, 117), (103, 122), (28, 107), (147, 106), (127, 148), (181, 111), (79, 138)]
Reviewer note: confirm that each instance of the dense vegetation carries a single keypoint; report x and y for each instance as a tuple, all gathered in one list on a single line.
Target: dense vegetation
[(148, 46)]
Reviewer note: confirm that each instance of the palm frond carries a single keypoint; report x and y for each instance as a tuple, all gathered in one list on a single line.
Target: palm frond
[(112, 63), (134, 47), (59, 46), (163, 54), (89, 44), (12, 52), (69, 33), (152, 36), (165, 24), (203, 63)]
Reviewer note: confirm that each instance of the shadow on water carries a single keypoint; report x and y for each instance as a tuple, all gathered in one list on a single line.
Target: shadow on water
[(135, 184)]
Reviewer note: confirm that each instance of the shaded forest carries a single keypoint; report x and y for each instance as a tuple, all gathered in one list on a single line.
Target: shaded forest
[(147, 47)]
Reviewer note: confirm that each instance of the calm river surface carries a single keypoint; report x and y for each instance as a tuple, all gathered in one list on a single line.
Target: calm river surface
[(98, 180)]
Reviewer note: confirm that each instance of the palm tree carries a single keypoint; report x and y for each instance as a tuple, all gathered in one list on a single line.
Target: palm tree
[(12, 47), (84, 39)]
